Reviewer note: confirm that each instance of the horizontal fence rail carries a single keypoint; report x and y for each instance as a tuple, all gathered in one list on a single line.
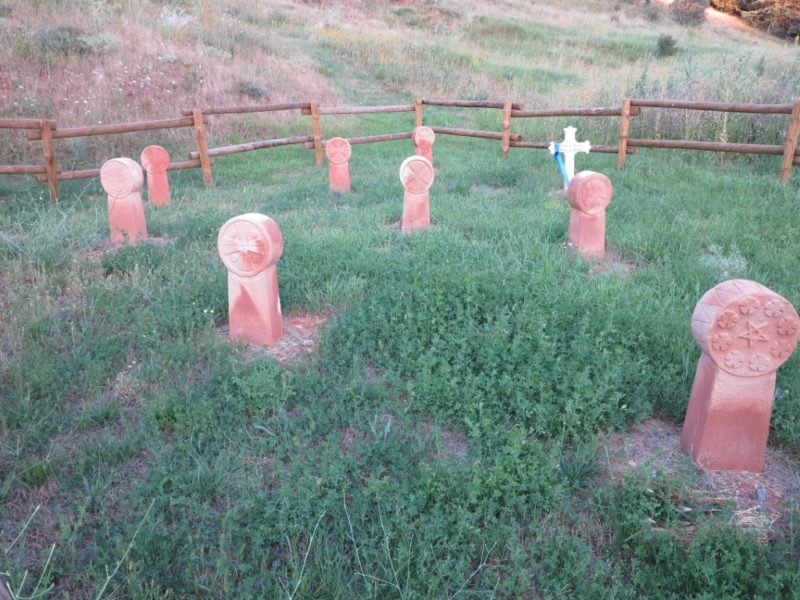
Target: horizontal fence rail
[(763, 109), (574, 112), (488, 135), (361, 110), (472, 104), (708, 146), (24, 123), (89, 173), (46, 132), (22, 169), (238, 110), (599, 148), (368, 139), (248, 147), (93, 130)]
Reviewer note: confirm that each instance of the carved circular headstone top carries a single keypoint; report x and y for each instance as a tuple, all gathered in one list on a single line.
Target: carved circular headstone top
[(745, 327), (423, 137), (155, 159), (121, 177), (590, 192), (249, 243), (338, 150), (416, 174)]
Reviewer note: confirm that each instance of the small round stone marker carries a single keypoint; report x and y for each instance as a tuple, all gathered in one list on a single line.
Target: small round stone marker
[(338, 152), (745, 332), (424, 138), (155, 161), (416, 175), (588, 194), (250, 246), (122, 180)]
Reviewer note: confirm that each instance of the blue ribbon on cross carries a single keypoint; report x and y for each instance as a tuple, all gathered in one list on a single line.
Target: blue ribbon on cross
[(559, 158)]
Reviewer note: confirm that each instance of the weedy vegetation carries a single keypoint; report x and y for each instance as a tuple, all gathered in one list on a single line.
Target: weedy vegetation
[(446, 439)]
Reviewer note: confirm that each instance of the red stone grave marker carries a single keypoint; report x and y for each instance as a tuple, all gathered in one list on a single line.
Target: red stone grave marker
[(122, 179), (424, 138), (588, 194), (338, 152), (250, 246), (745, 331), (155, 161), (416, 175)]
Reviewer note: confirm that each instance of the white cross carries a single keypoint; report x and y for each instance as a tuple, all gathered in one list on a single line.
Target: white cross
[(569, 148)]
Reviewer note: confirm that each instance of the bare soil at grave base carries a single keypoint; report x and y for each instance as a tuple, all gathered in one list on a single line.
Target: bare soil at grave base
[(299, 340), (760, 501)]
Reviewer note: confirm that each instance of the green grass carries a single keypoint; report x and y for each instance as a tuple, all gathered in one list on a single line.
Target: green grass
[(331, 479), (447, 438)]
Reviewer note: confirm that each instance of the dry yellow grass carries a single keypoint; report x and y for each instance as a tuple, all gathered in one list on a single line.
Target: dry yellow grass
[(147, 60)]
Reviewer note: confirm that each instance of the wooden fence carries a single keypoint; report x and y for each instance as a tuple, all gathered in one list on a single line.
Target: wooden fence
[(46, 132)]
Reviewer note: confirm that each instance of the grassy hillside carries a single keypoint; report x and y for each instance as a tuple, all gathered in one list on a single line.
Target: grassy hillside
[(100, 61), (449, 437)]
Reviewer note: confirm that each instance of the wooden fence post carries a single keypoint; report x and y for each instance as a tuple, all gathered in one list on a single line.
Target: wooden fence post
[(317, 131), (506, 127), (202, 145), (417, 113), (49, 159), (624, 125), (792, 133)]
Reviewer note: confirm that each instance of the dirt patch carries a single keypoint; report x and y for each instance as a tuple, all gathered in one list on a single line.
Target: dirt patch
[(614, 263), (349, 438), (761, 501), (448, 444), (299, 341)]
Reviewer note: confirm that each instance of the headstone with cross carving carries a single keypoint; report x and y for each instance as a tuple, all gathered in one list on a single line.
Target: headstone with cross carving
[(588, 194), (569, 148), (250, 246), (338, 152), (416, 175), (423, 138), (745, 332), (155, 161), (122, 179)]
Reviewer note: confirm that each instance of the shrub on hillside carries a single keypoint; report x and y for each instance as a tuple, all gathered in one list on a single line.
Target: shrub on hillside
[(781, 19), (251, 90), (62, 39), (728, 6), (65, 39), (688, 12), (777, 17), (667, 46)]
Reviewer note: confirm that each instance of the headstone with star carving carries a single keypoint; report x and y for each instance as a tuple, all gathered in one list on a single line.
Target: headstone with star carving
[(338, 152), (588, 194), (416, 175), (745, 332), (250, 246)]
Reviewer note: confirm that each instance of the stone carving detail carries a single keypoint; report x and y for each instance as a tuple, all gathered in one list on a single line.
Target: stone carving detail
[(416, 175), (122, 179), (745, 331), (155, 161), (588, 194), (250, 246), (338, 152)]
